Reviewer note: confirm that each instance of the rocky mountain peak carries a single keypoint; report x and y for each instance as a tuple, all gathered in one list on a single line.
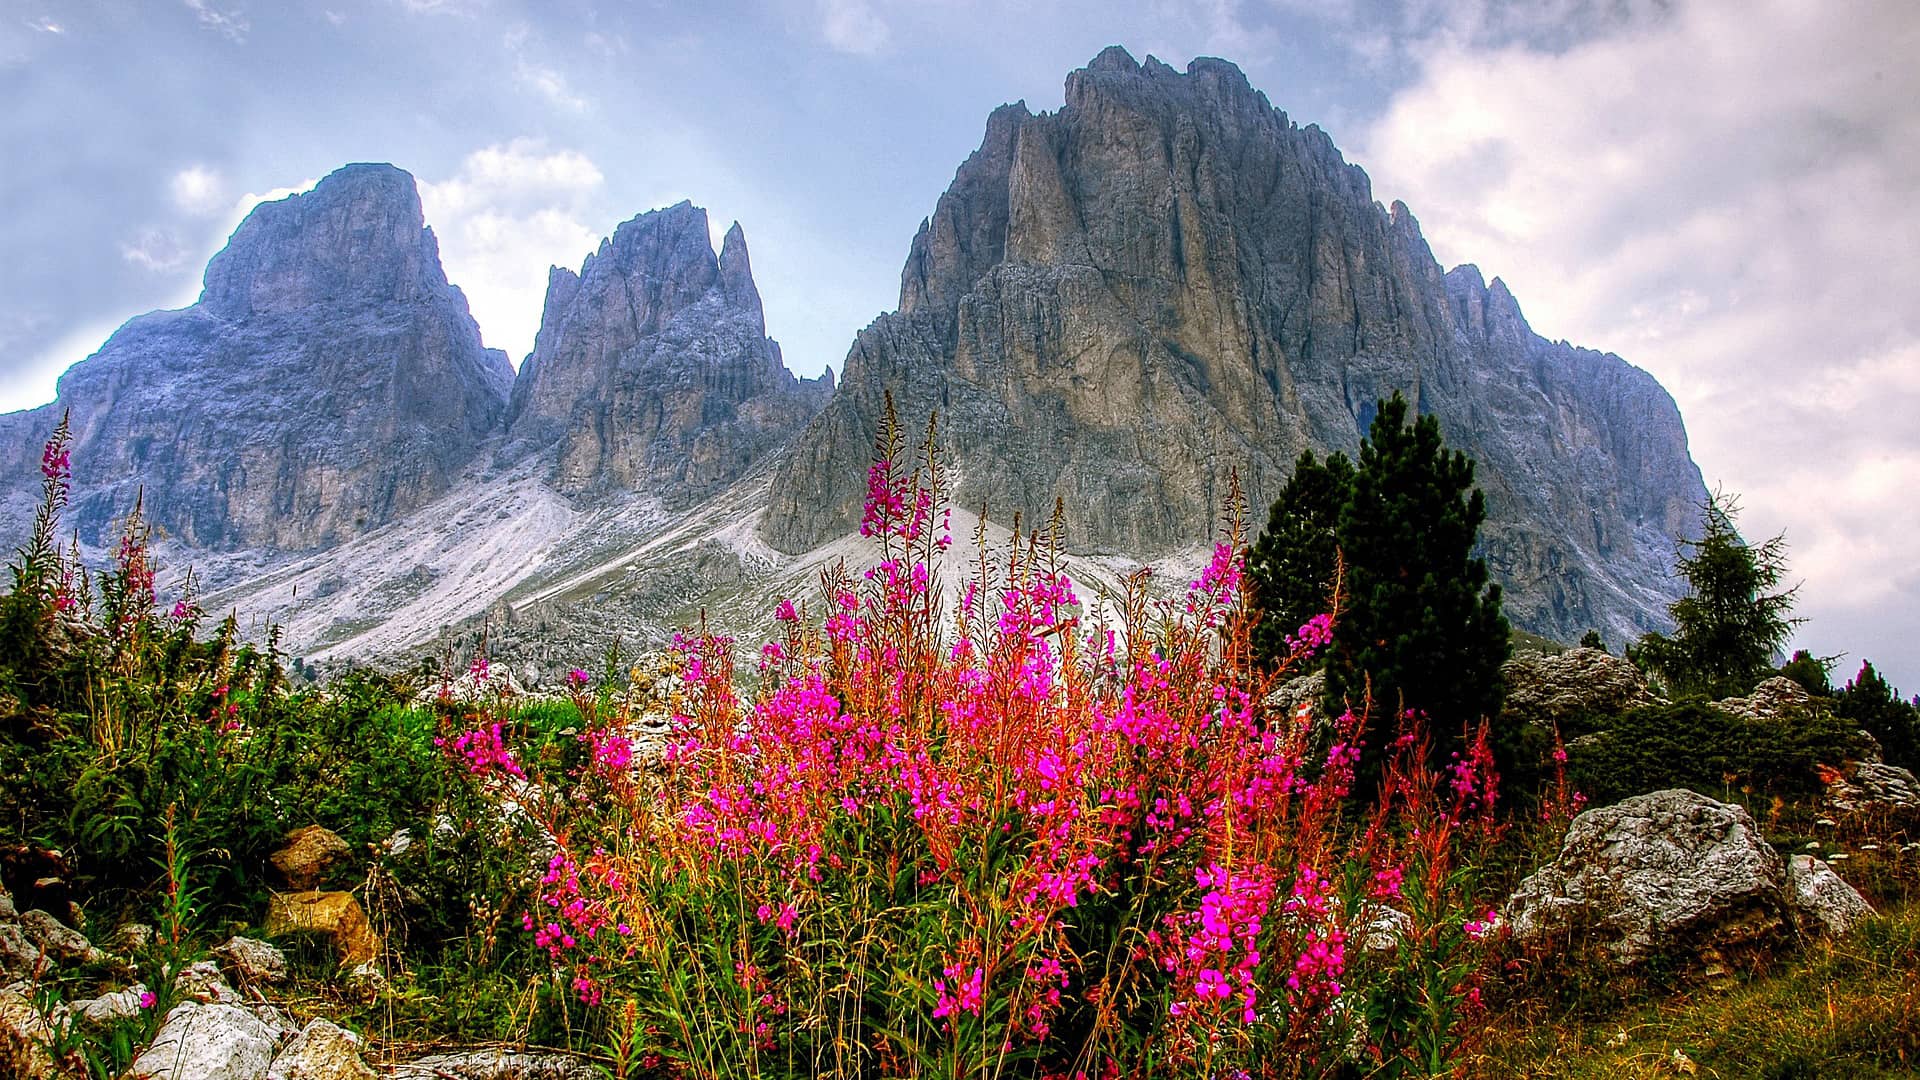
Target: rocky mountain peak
[(652, 370), (357, 238), (1124, 303)]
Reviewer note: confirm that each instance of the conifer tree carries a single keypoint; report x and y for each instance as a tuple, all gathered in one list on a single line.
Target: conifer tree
[(1291, 567), (1874, 705), (1732, 624), (1420, 627)]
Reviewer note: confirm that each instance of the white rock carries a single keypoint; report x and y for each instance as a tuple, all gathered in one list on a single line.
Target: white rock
[(1670, 872), (322, 1051), (24, 1035), (1823, 902), (202, 981), (107, 1008), (253, 961), (61, 942), (497, 1065), (199, 1041)]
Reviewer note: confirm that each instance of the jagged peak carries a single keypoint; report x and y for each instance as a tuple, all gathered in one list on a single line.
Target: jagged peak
[(1114, 58), (736, 271)]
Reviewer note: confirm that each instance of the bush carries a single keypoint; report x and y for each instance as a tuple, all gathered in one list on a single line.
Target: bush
[(1875, 706), (1692, 744)]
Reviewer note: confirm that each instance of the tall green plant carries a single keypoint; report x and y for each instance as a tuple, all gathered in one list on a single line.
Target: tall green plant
[(1730, 627)]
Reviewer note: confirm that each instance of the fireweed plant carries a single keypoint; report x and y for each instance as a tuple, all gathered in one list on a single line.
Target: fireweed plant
[(1008, 835)]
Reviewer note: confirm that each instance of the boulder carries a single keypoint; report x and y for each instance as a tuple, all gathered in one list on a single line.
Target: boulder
[(62, 943), (1823, 904), (307, 855), (335, 914), (201, 1041), (322, 1051), (1672, 873), (497, 1065), (203, 982), (1875, 786), (19, 957), (111, 1008), (252, 961), (1549, 689), (1773, 699), (1287, 698)]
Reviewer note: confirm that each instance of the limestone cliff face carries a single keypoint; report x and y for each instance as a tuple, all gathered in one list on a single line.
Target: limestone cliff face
[(1167, 281), (653, 371), (327, 381)]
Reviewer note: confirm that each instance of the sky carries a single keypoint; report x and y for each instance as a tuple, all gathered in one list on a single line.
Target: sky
[(1721, 191)]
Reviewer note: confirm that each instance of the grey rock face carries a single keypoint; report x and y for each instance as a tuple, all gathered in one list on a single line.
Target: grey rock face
[(1876, 786), (1773, 699), (1551, 688), (1120, 304), (327, 381), (495, 1064), (1670, 873), (653, 371)]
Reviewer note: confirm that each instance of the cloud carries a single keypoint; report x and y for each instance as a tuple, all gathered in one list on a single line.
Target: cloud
[(1722, 192), (231, 24), (512, 211), (199, 191), (155, 250), (46, 25), (852, 26), (548, 82)]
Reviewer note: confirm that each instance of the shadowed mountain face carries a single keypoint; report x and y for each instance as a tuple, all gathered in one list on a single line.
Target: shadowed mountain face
[(328, 380), (1120, 304), (653, 370)]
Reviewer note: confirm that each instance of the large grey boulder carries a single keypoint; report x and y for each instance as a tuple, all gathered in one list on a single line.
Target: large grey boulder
[(1550, 689), (1777, 698), (200, 1041), (1669, 873), (61, 942), (1123, 303)]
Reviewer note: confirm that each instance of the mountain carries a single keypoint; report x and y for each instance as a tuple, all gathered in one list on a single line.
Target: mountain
[(328, 380), (653, 370), (1119, 304)]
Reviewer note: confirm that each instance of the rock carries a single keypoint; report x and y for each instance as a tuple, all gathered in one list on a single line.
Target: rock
[(653, 371), (19, 957), (1823, 903), (201, 981), (497, 1065), (335, 914), (1385, 928), (365, 981), (111, 1007), (252, 961), (1774, 699), (307, 855), (1549, 689), (199, 1041), (322, 1051), (130, 938), (1118, 303), (62, 943), (24, 1037), (1875, 786), (1672, 873), (8, 912), (1287, 698)]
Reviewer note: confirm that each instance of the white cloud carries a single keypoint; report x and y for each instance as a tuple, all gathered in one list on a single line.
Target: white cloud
[(546, 81), (1723, 193), (852, 26), (231, 24), (512, 211), (155, 250), (199, 191), (46, 25)]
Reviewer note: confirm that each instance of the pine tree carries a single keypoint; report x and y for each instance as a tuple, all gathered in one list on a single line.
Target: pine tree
[(1291, 567), (1421, 624), (1732, 624), (1420, 627), (1874, 705)]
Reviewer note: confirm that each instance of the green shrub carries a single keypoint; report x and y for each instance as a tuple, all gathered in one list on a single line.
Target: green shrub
[(1692, 744)]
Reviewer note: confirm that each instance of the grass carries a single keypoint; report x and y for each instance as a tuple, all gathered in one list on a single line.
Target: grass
[(1845, 1010)]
